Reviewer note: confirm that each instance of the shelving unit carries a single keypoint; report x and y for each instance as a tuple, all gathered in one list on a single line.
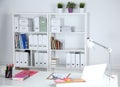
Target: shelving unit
[(50, 40)]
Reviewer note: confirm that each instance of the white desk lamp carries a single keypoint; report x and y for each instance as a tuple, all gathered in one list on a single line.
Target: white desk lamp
[(109, 50)]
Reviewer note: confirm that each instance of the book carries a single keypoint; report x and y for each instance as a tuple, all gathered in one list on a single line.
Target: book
[(54, 76), (20, 76)]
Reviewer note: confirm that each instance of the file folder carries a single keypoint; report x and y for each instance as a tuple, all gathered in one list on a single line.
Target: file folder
[(36, 24), (77, 63), (16, 23), (36, 59), (68, 60), (73, 60)]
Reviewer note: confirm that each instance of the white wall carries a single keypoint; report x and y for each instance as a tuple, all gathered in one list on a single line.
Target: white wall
[(103, 25)]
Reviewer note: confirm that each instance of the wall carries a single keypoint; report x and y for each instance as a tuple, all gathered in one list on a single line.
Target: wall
[(103, 25)]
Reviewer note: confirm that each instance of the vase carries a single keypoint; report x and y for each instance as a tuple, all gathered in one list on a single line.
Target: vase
[(70, 10)]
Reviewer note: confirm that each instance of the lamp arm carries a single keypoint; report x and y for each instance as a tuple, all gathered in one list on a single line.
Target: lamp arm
[(107, 48)]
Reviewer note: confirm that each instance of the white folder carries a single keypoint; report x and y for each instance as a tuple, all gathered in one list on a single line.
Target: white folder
[(77, 62), (23, 21), (36, 59), (83, 60), (25, 59), (73, 60), (17, 59), (16, 23), (45, 57), (30, 37), (35, 41), (44, 41), (24, 28), (21, 58), (55, 29), (68, 60), (36, 24), (40, 42), (56, 22), (40, 59)]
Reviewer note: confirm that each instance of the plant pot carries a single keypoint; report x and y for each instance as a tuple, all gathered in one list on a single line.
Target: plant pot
[(82, 10), (60, 10), (70, 10)]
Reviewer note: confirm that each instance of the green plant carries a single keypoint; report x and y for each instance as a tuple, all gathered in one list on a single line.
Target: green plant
[(70, 5), (60, 5), (82, 5)]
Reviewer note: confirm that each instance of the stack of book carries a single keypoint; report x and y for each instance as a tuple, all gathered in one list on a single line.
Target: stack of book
[(54, 62), (55, 44)]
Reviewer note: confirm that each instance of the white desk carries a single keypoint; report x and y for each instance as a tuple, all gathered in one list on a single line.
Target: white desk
[(39, 80)]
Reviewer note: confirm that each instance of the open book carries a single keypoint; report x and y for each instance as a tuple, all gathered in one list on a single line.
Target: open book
[(54, 76)]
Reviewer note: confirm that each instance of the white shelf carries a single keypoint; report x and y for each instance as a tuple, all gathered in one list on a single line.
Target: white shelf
[(32, 32), (73, 41), (68, 32), (30, 49), (70, 50)]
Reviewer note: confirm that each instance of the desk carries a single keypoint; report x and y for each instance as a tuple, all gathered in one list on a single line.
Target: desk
[(39, 80)]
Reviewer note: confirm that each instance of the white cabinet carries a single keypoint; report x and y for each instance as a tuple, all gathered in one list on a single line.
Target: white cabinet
[(50, 40)]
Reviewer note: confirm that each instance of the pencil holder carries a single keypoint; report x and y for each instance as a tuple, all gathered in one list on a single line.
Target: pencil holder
[(8, 71)]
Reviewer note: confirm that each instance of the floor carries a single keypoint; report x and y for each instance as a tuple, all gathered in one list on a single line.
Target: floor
[(117, 72)]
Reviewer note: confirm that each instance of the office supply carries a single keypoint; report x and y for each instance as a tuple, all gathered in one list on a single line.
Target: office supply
[(83, 60), (16, 20), (68, 60), (22, 75), (36, 24), (8, 71), (56, 75), (77, 60), (43, 24)]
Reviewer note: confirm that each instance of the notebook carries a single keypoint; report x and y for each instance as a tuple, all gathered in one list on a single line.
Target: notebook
[(93, 72), (20, 76)]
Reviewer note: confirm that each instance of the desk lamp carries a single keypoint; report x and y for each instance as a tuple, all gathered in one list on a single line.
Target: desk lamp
[(91, 43)]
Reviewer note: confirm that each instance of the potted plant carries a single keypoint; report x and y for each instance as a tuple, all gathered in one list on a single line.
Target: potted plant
[(82, 7), (60, 7), (70, 6)]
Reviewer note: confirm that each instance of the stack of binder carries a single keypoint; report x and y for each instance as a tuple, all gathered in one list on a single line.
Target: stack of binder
[(40, 59), (56, 24), (23, 24), (22, 59), (38, 42), (40, 24), (75, 60), (21, 41)]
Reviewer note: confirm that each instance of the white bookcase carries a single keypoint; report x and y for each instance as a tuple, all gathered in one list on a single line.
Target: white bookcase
[(50, 40)]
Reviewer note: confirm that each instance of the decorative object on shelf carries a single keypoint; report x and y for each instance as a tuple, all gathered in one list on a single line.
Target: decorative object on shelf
[(82, 7), (60, 7), (70, 6), (91, 43)]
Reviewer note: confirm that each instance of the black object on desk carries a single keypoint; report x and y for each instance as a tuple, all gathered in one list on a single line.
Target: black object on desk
[(8, 71)]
